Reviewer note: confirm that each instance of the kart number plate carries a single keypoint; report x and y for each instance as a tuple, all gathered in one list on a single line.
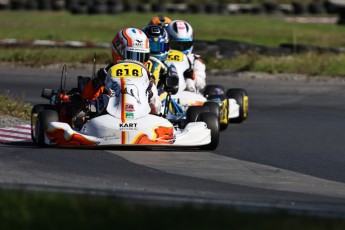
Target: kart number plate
[(126, 70), (175, 56)]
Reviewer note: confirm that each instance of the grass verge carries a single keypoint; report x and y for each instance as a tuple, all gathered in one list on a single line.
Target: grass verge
[(37, 57), (325, 64), (14, 108), (309, 63), (262, 30), (48, 210), (259, 29)]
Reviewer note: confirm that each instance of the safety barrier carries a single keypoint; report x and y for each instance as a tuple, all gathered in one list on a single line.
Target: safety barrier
[(216, 7)]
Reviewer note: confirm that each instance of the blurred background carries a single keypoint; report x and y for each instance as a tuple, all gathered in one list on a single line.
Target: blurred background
[(303, 36), (207, 6)]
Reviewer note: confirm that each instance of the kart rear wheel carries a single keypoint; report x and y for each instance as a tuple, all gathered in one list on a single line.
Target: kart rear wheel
[(34, 112), (213, 90), (241, 97), (44, 118), (212, 123), (224, 117)]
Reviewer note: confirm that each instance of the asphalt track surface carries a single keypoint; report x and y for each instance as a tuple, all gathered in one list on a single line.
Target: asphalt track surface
[(288, 154)]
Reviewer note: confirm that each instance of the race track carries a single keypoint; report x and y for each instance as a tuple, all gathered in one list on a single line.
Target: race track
[(288, 154)]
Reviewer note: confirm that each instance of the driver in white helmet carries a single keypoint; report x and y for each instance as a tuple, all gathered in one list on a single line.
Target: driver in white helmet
[(181, 38), (129, 45)]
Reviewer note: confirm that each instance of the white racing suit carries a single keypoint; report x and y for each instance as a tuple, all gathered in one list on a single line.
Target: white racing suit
[(199, 71), (191, 70), (131, 91)]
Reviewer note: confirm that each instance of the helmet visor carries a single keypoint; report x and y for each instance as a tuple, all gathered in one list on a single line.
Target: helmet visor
[(158, 47), (181, 45), (137, 56)]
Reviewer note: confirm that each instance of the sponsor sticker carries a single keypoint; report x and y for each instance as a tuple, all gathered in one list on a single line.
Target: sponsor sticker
[(128, 126), (129, 107), (130, 115)]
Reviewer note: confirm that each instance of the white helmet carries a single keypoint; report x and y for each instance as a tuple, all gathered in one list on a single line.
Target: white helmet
[(181, 36), (130, 43)]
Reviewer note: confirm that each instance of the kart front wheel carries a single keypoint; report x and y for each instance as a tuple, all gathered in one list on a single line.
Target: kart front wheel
[(44, 118), (34, 113), (212, 122), (193, 113), (241, 97)]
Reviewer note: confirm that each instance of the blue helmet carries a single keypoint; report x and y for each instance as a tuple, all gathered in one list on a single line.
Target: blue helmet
[(158, 40)]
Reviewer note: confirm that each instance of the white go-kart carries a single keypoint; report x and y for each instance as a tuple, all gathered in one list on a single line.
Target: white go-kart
[(124, 123), (230, 106)]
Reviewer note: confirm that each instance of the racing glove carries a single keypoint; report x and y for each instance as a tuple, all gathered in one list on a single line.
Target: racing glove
[(149, 88), (99, 80), (171, 80), (189, 74)]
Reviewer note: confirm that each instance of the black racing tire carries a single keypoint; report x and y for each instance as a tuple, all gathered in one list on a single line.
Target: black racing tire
[(44, 118), (34, 113), (213, 90), (212, 123), (213, 107), (241, 97), (193, 113)]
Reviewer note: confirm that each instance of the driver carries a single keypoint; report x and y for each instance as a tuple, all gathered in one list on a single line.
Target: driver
[(181, 38), (128, 45), (159, 48), (160, 20)]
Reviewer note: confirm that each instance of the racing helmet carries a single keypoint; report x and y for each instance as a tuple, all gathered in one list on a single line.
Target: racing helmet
[(130, 43), (158, 40), (181, 36), (160, 20)]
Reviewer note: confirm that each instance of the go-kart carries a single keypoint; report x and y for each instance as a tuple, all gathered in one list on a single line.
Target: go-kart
[(69, 121), (231, 106)]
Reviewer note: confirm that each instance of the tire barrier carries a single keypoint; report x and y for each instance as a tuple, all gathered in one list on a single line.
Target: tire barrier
[(217, 7)]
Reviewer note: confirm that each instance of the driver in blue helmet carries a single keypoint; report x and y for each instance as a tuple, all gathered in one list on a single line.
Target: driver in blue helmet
[(159, 48)]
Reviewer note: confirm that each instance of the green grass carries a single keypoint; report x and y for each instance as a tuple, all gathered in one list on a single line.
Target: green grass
[(14, 107), (261, 30), (47, 210), (309, 63), (35, 57)]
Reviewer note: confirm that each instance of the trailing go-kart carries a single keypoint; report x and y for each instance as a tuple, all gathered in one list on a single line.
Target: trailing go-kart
[(231, 106), (71, 121)]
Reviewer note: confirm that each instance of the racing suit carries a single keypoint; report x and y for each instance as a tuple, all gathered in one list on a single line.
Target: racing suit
[(95, 87), (161, 71), (198, 68), (191, 70)]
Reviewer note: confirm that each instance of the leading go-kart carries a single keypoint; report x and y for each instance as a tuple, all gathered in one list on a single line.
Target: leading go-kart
[(71, 121), (231, 106)]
